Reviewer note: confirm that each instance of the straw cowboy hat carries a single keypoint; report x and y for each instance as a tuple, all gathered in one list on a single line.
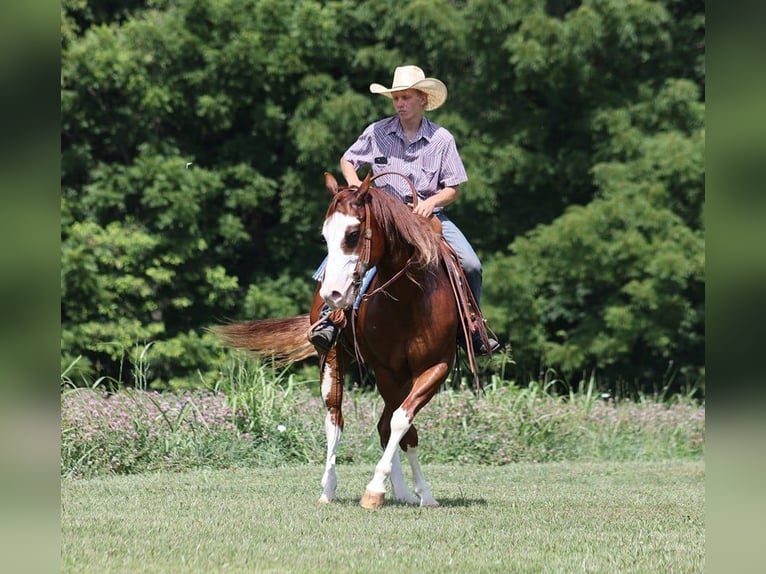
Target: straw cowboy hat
[(412, 77)]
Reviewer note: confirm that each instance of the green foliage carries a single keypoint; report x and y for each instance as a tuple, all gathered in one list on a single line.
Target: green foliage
[(280, 297), (265, 404), (252, 415), (617, 284), (195, 134), (245, 414)]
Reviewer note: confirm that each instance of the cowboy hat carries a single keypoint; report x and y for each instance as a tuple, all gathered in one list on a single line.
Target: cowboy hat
[(412, 77)]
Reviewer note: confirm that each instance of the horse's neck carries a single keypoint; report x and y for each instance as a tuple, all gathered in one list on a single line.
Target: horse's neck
[(396, 263), (389, 266)]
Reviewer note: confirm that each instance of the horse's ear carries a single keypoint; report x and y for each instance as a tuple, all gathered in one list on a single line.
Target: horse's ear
[(365, 185), (330, 183)]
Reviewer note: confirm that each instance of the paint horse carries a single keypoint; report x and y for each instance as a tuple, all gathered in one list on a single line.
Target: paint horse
[(405, 328)]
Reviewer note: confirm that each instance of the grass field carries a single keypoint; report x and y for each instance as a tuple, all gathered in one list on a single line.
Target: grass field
[(616, 517)]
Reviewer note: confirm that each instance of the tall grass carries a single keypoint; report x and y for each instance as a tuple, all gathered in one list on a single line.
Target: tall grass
[(255, 415), (266, 406)]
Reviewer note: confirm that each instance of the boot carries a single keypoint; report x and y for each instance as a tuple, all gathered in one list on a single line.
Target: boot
[(480, 348), (323, 334)]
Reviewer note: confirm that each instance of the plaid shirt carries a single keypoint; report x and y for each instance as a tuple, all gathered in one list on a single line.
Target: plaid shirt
[(431, 161)]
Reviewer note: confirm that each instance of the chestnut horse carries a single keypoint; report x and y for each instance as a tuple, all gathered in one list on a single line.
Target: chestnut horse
[(405, 327)]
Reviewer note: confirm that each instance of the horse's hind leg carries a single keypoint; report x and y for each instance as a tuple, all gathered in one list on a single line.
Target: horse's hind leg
[(398, 484), (409, 445), (421, 486), (332, 393)]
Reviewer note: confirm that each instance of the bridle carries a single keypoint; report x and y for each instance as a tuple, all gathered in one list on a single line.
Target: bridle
[(338, 317), (363, 263)]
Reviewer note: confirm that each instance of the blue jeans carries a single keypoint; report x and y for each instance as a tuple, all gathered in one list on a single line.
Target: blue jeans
[(469, 261)]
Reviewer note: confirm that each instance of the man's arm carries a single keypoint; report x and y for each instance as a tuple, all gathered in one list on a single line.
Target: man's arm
[(446, 196), (349, 172)]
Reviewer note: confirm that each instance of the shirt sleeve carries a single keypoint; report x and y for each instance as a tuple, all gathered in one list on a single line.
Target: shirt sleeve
[(361, 151), (452, 169)]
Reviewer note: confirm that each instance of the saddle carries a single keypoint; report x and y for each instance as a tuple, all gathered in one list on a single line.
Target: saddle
[(471, 318)]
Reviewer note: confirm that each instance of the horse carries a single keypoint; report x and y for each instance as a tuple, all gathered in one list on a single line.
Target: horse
[(405, 328)]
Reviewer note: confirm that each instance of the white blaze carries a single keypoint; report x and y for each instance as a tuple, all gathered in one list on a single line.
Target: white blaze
[(337, 285)]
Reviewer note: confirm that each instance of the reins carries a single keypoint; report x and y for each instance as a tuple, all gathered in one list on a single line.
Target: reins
[(407, 179), (363, 264)]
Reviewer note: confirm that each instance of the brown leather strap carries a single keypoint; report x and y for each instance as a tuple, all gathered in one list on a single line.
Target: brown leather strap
[(407, 179), (471, 319)]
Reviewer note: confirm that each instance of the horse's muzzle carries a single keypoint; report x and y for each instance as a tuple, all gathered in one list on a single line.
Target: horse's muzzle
[(338, 300)]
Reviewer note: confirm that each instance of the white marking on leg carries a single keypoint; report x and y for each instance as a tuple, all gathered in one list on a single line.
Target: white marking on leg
[(398, 485), (328, 380), (400, 424), (421, 486), (333, 434), (329, 478)]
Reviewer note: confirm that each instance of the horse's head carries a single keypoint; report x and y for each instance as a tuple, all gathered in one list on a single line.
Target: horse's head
[(348, 232)]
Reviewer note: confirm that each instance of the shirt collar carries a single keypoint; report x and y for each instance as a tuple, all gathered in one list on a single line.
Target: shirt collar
[(426, 129)]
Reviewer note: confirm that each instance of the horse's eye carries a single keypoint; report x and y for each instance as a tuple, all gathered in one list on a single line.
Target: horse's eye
[(352, 238)]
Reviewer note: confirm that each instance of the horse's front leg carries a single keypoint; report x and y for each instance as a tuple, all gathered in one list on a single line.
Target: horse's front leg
[(332, 393), (376, 488), (423, 388), (398, 484)]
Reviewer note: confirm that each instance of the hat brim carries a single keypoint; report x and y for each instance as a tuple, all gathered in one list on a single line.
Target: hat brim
[(433, 88)]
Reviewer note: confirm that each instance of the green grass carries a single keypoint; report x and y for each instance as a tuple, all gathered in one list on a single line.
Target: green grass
[(553, 517), (258, 419)]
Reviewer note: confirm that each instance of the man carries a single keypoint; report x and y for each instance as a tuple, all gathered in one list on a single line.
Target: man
[(410, 144)]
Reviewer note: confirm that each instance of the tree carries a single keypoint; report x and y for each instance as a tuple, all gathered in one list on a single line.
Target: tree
[(195, 134), (617, 286)]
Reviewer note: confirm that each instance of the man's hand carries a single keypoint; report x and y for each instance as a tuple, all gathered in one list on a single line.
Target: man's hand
[(425, 207)]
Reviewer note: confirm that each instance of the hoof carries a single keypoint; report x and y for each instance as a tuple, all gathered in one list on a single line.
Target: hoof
[(324, 500), (372, 500), (411, 499)]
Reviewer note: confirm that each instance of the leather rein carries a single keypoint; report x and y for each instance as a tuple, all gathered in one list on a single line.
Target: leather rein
[(363, 264)]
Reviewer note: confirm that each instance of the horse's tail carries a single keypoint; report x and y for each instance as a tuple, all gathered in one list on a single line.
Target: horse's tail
[(283, 340)]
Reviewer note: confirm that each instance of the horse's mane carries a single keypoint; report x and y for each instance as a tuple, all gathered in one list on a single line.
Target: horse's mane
[(403, 228)]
